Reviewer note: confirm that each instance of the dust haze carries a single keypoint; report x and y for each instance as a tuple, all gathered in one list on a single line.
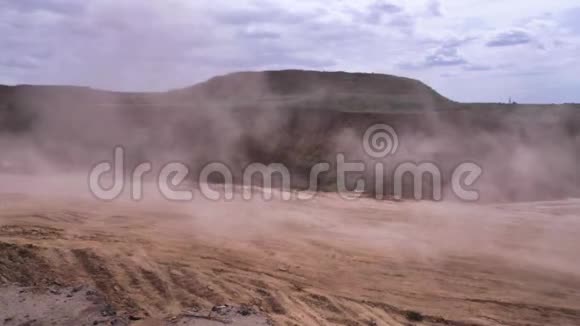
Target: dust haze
[(510, 257)]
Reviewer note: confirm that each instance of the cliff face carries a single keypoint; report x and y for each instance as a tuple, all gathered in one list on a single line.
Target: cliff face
[(297, 118)]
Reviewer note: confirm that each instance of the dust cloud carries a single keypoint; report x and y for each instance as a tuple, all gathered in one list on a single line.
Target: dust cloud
[(297, 119), (297, 260)]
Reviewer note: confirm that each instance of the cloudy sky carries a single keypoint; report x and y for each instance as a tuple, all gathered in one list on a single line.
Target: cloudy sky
[(469, 50)]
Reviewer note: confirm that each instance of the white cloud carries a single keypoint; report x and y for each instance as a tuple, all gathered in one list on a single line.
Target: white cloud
[(510, 38), (147, 45), (434, 8)]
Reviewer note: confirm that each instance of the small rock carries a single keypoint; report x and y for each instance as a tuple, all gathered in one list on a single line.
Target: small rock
[(108, 311), (77, 289), (372, 322), (220, 309), (245, 310)]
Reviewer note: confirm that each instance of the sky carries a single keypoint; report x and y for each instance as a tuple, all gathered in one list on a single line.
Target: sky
[(468, 50)]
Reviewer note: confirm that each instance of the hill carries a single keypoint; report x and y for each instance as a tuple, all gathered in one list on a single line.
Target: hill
[(316, 90), (338, 91)]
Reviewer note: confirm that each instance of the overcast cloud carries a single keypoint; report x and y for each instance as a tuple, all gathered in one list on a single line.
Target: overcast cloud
[(468, 50)]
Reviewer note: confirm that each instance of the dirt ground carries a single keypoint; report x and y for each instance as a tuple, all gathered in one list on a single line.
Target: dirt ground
[(326, 261), (82, 306)]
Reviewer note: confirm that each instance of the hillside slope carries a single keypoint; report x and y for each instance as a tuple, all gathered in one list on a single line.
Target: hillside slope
[(337, 91), (297, 118)]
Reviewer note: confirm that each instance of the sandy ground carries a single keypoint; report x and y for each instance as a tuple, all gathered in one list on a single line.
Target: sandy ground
[(321, 262), (81, 306)]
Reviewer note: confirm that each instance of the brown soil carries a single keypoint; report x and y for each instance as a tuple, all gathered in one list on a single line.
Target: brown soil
[(321, 262)]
